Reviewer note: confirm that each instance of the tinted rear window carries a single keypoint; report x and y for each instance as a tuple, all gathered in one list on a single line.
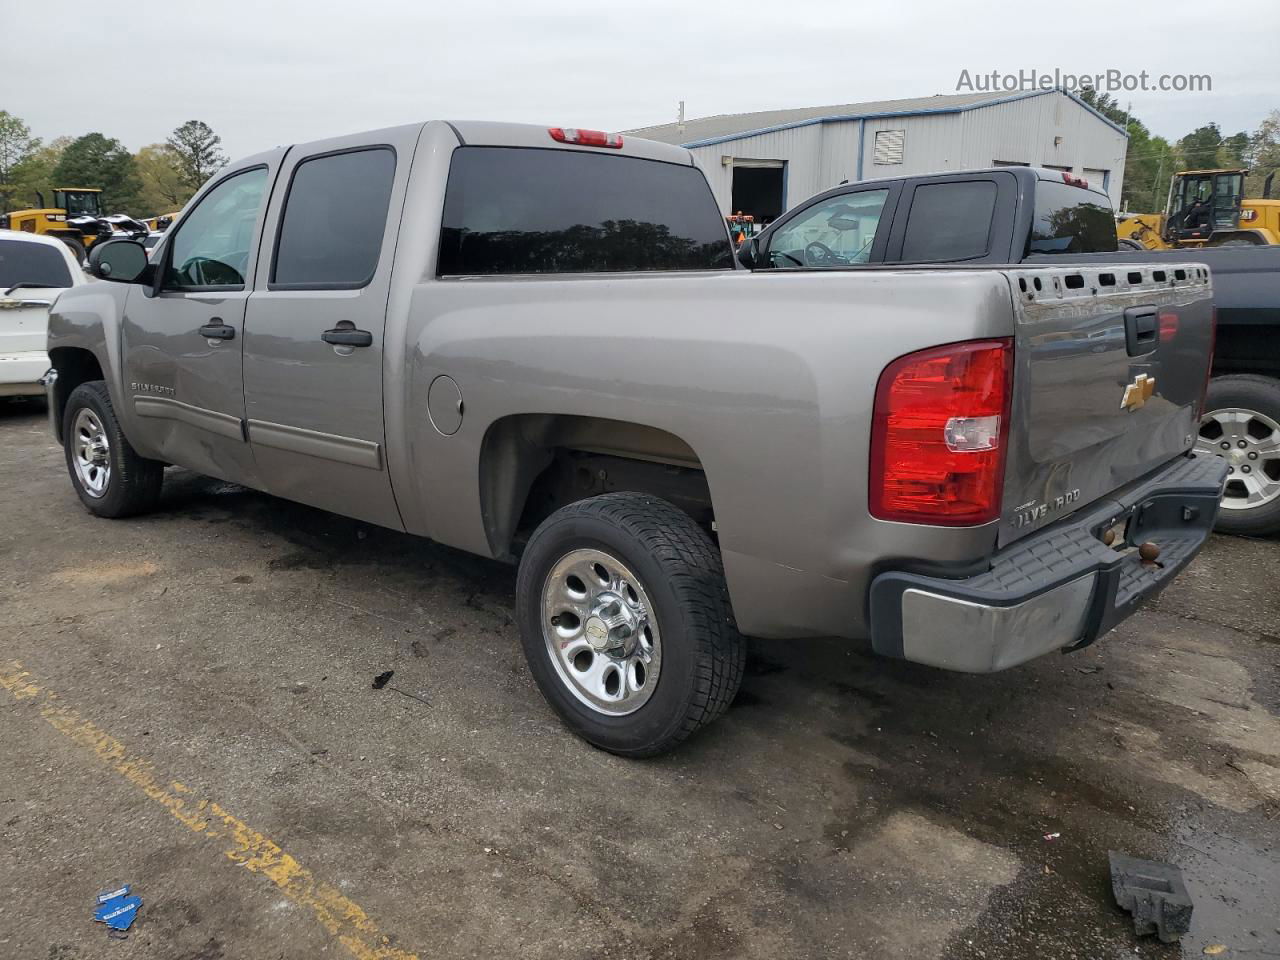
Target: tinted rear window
[(950, 221), (334, 219), (525, 210), (1070, 220), (23, 262)]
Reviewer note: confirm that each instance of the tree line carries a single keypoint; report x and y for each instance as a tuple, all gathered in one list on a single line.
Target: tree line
[(158, 179), (1151, 160), (161, 177)]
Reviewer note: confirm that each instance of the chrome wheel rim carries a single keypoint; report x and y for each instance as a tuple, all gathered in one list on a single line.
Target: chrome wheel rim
[(1250, 443), (600, 632), (91, 453)]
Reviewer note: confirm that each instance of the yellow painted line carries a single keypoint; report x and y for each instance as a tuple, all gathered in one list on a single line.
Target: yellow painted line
[(243, 845)]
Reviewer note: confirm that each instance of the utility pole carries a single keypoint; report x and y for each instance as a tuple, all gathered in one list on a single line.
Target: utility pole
[(680, 118)]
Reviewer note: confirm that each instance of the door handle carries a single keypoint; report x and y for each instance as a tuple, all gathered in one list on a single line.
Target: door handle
[(1140, 330), (347, 337), (215, 329)]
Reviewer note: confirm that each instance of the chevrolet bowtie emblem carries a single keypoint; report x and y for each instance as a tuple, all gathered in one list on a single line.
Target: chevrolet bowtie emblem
[(1138, 392)]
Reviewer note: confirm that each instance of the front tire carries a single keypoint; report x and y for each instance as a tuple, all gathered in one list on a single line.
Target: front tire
[(109, 476), (625, 622), (1241, 425)]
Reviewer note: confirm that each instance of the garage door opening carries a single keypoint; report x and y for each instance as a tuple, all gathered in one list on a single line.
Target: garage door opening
[(758, 190)]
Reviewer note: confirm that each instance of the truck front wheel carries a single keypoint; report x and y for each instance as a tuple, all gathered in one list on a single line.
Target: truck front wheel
[(110, 477), (626, 624), (1241, 425)]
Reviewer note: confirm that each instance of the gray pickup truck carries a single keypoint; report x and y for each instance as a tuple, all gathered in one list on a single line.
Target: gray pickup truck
[(1028, 216), (535, 344)]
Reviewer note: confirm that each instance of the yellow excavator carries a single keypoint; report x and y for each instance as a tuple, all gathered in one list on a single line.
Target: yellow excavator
[(75, 218), (1206, 208)]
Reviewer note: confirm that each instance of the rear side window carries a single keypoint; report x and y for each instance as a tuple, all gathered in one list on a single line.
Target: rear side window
[(38, 263), (950, 221), (334, 219), (1070, 220), (526, 210)]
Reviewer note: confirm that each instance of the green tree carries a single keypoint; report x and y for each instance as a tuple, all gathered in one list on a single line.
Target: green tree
[(1264, 156), (1199, 148), (33, 177), (1105, 104), (164, 189), (16, 147), (1149, 163), (199, 152), (95, 160), (1234, 150)]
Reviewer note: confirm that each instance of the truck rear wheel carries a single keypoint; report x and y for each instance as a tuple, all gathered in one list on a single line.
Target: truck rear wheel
[(110, 477), (625, 622), (1241, 425)]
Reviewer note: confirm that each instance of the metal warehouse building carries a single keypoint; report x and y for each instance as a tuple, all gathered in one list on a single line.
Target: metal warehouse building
[(764, 163)]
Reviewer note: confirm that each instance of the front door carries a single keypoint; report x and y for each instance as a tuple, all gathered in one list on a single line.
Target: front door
[(181, 341), (315, 324)]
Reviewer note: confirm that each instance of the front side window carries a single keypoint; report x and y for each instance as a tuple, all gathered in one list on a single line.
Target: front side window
[(837, 232), (334, 218), (211, 246), (949, 221), (514, 210)]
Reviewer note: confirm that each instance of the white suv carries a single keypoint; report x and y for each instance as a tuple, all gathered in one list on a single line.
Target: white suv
[(33, 271)]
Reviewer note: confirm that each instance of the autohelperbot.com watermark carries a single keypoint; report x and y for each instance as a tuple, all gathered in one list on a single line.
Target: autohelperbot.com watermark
[(1108, 81)]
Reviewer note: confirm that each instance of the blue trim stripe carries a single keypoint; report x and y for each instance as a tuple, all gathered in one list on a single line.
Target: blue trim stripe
[(925, 112)]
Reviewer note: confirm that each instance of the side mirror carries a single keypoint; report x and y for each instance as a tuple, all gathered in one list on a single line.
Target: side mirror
[(749, 253), (122, 261)]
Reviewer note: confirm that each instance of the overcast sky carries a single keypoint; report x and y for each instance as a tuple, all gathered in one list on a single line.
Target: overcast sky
[(265, 73)]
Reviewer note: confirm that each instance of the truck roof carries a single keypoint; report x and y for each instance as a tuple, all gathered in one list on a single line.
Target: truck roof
[(487, 133), (1024, 174)]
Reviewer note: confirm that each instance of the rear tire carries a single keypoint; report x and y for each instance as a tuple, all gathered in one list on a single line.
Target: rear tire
[(77, 248), (109, 476), (1243, 411), (625, 622)]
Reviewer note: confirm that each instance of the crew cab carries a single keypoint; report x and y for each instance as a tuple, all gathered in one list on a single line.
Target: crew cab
[(1027, 215), (535, 344)]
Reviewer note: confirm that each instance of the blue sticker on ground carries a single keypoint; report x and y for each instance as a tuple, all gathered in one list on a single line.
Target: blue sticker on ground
[(119, 912)]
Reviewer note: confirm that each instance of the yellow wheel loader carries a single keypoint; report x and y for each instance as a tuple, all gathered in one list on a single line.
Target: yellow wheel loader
[(1206, 208), (75, 218)]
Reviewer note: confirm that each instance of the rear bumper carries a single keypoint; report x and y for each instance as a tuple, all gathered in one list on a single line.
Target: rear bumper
[(20, 373), (1059, 589)]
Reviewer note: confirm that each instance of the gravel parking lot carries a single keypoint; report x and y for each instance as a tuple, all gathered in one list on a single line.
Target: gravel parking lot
[(186, 704)]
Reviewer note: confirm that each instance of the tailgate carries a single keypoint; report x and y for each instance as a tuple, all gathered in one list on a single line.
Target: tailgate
[(1110, 362), (24, 320)]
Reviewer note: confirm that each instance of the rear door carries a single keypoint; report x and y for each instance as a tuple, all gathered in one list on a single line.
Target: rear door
[(181, 342), (316, 320)]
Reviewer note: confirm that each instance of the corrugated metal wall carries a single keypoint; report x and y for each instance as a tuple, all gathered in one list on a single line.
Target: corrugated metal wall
[(819, 156)]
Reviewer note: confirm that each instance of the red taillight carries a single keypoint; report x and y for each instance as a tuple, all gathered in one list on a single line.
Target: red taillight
[(1168, 326), (586, 138), (1072, 180), (939, 432)]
